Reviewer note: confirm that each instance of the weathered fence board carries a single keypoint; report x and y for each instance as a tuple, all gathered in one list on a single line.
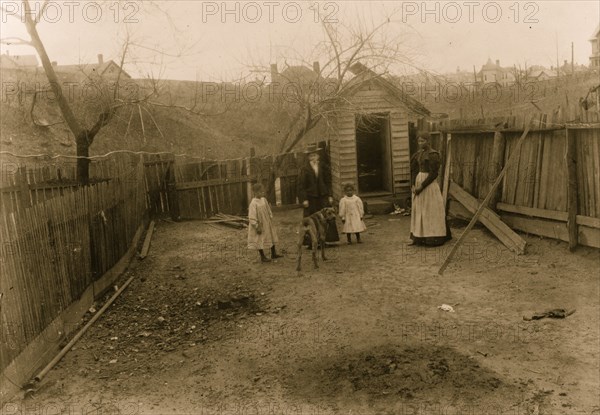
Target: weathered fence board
[(207, 187), (535, 187), (54, 250)]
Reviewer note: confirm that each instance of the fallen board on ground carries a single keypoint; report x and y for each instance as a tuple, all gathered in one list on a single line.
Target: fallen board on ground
[(146, 246), (489, 219)]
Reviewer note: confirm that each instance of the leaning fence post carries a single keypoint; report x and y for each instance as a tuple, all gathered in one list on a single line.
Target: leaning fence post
[(498, 148), (249, 174), (572, 189), (23, 185), (172, 195), (485, 202), (447, 166)]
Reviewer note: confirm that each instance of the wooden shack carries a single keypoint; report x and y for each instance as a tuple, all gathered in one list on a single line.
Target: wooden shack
[(369, 140)]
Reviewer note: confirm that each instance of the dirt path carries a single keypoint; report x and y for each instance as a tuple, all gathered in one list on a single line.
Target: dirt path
[(206, 329)]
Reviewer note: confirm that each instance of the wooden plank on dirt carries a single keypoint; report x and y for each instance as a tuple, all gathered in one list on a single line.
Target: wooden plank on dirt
[(146, 246), (489, 219)]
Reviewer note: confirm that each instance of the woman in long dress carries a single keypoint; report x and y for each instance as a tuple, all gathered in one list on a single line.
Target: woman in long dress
[(428, 225)]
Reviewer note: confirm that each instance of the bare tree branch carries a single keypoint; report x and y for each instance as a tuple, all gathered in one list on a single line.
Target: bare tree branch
[(313, 100), (38, 18), (54, 82), (154, 121), (15, 41), (192, 109), (128, 123), (32, 116), (142, 122)]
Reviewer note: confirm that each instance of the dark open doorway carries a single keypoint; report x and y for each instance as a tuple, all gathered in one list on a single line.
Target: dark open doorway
[(373, 154)]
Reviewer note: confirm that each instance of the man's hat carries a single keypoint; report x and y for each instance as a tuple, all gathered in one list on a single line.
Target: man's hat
[(311, 148), (424, 134)]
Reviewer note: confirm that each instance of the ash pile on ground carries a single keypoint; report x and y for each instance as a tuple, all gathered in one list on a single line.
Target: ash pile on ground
[(402, 373), (409, 372), (164, 317)]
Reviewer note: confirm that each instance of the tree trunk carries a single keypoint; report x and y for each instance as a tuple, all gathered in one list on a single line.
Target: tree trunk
[(81, 135), (83, 162)]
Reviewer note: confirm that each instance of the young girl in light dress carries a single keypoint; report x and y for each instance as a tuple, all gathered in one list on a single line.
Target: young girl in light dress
[(261, 230), (352, 213)]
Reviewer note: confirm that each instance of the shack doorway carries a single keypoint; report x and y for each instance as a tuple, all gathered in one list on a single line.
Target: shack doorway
[(373, 153)]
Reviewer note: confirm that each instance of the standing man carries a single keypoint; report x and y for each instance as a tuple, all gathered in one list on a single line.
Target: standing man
[(315, 189)]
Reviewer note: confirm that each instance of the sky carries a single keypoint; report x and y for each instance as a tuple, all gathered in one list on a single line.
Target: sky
[(206, 40)]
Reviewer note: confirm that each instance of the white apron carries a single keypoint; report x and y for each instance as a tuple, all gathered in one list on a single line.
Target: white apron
[(428, 215)]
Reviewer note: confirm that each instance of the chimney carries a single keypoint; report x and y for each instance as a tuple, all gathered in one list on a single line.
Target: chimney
[(317, 68), (497, 62), (100, 58), (274, 72)]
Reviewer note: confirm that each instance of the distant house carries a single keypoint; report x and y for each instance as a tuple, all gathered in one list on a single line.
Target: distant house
[(295, 74), (540, 75), (461, 77), (18, 61), (301, 79), (494, 73), (595, 56), (103, 69), (108, 69)]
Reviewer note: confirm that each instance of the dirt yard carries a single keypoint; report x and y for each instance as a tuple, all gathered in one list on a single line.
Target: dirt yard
[(206, 329)]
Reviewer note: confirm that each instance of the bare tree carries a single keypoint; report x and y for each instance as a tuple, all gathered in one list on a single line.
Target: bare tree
[(110, 100), (83, 136), (345, 51)]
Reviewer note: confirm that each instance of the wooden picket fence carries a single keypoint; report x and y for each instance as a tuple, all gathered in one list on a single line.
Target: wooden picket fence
[(186, 188), (540, 191), (179, 186), (56, 249), (61, 242), (27, 182)]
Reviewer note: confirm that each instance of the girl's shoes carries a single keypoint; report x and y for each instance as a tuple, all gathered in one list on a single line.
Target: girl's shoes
[(264, 259), (274, 254)]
